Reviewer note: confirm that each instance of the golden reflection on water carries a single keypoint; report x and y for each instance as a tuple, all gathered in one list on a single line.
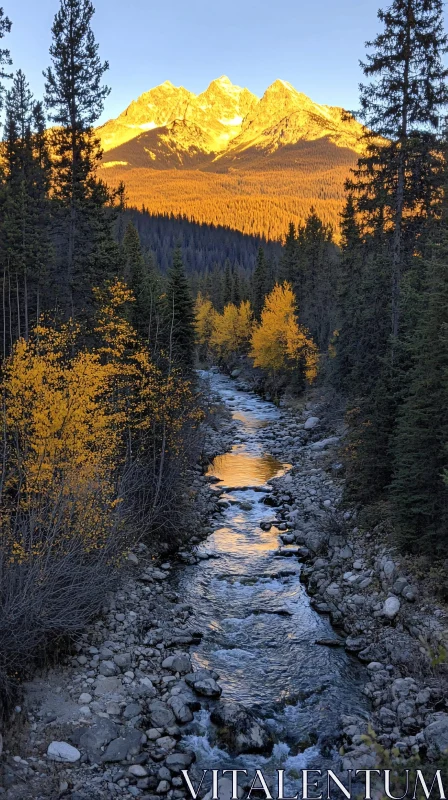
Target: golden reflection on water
[(250, 421), (242, 469)]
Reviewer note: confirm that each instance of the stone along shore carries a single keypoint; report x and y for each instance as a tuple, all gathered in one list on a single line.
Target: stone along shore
[(109, 724)]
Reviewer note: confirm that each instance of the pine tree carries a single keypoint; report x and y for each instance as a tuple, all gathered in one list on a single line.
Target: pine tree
[(179, 316), (419, 492), (403, 101), (25, 218), (75, 95), (228, 283), (315, 281), (140, 274), (259, 284), (349, 296), (236, 287), (5, 56), (288, 266)]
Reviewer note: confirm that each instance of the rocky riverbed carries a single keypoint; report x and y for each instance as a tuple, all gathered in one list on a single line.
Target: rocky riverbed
[(119, 719)]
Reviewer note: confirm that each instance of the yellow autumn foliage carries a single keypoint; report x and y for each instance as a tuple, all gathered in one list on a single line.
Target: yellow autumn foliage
[(279, 342), (204, 319), (73, 415), (232, 329)]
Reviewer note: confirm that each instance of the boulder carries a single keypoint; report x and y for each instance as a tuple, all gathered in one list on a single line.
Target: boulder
[(123, 660), (178, 663), (436, 734), (97, 736), (161, 715), (178, 761), (180, 708), (119, 749), (311, 423), (207, 687), (324, 443), (108, 668), (239, 730), (389, 570), (63, 752), (391, 607), (203, 681)]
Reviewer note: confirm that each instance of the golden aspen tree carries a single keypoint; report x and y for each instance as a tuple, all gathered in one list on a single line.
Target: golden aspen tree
[(232, 330), (279, 343)]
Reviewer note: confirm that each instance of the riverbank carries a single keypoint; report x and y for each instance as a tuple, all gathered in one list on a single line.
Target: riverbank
[(124, 706), (382, 613)]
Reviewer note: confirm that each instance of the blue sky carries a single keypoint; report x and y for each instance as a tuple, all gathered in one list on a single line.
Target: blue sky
[(313, 44)]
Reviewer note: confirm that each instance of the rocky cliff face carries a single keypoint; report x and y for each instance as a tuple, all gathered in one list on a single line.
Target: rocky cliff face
[(172, 127)]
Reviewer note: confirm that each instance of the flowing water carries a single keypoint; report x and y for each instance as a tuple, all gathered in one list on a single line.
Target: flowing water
[(259, 629)]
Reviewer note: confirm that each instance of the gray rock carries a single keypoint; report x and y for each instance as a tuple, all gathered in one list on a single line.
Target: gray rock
[(161, 715), (239, 730), (324, 443), (180, 708), (108, 669), (63, 752), (97, 736), (145, 689), (436, 734), (389, 570), (132, 710), (409, 594), (123, 660), (391, 607), (178, 663), (119, 749), (137, 771), (311, 423), (178, 761)]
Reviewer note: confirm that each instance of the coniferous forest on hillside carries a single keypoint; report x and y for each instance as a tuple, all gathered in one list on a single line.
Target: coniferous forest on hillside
[(120, 326)]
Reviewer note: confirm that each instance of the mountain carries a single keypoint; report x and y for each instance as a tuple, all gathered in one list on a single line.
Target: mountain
[(222, 155)]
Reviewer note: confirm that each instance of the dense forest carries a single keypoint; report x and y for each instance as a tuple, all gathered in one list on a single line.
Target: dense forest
[(260, 202), (107, 310)]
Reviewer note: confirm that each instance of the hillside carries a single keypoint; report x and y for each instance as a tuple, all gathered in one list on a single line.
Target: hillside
[(225, 157)]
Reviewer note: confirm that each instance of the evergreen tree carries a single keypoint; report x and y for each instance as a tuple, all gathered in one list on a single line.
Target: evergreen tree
[(5, 56), (25, 218), (75, 96), (403, 100), (288, 267), (179, 315), (315, 281), (236, 287), (228, 283), (349, 296), (140, 274), (419, 492), (259, 284)]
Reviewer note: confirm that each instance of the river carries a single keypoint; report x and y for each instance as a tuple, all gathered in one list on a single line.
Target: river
[(259, 628)]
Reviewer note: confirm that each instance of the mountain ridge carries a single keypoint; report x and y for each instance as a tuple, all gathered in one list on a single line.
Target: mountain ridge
[(222, 120), (228, 157)]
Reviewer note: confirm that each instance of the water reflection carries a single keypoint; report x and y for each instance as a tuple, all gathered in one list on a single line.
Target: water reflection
[(259, 628), (242, 469)]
